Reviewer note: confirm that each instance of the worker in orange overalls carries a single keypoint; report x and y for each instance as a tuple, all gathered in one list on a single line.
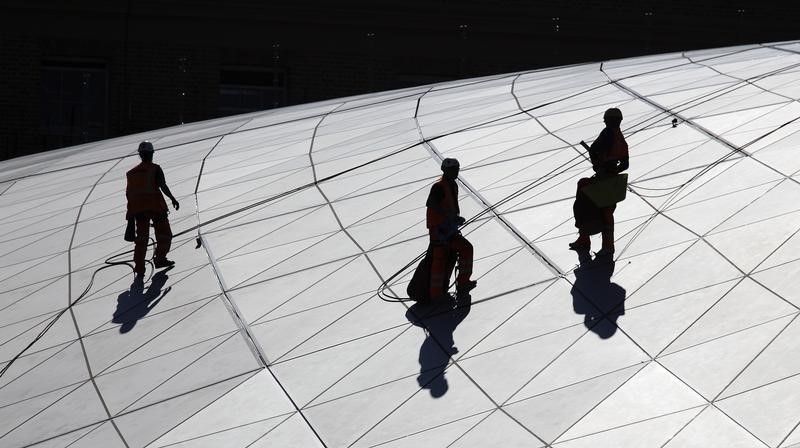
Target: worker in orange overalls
[(443, 220), (145, 204), (609, 156)]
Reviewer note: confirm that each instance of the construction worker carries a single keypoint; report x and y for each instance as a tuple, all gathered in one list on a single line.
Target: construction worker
[(145, 204), (609, 157), (443, 220)]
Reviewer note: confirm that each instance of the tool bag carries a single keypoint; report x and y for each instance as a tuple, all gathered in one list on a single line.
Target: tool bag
[(607, 191), (419, 288), (130, 231)]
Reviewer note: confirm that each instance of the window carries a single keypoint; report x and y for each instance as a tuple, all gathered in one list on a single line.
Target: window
[(243, 90), (74, 103)]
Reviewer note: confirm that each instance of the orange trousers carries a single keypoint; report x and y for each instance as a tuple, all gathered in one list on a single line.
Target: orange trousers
[(163, 235), (440, 250)]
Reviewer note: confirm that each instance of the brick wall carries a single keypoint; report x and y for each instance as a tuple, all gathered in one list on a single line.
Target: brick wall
[(156, 50), (20, 84), (167, 85)]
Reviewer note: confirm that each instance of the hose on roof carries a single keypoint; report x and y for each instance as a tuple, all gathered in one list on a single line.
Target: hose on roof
[(646, 123)]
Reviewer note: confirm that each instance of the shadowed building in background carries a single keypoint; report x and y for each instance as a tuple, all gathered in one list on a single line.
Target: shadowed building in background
[(79, 72), (272, 334)]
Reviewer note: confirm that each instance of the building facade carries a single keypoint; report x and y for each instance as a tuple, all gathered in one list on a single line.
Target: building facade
[(74, 72)]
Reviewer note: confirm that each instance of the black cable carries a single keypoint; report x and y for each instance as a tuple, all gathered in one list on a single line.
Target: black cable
[(109, 262), (381, 290), (734, 150), (710, 96), (681, 107)]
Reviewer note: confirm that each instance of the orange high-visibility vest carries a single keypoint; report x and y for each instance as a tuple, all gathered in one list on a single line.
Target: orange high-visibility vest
[(619, 147), (446, 209), (142, 191)]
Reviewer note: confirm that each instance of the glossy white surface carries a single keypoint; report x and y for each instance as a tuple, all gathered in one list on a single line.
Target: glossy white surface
[(271, 334)]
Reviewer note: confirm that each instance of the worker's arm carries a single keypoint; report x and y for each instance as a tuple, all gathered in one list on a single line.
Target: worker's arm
[(435, 198), (434, 201), (600, 146), (623, 165), (162, 184), (616, 166)]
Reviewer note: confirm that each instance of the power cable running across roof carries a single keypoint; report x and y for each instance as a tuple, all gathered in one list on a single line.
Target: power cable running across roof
[(312, 299), (272, 199), (638, 126), (317, 182)]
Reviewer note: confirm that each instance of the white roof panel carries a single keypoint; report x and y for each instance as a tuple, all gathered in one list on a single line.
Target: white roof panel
[(271, 334)]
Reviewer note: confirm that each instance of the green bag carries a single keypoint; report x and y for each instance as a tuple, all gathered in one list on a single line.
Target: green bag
[(607, 191)]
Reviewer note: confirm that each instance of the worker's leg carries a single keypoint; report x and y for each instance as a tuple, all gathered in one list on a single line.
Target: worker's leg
[(163, 238), (438, 267), (581, 209), (608, 230), (583, 241), (140, 248), (464, 250)]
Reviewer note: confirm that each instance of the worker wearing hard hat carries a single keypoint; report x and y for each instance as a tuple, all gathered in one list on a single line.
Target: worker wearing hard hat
[(146, 182), (609, 156), (443, 220)]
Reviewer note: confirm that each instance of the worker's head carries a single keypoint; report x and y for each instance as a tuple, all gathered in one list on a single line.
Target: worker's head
[(146, 151), (450, 168), (613, 117)]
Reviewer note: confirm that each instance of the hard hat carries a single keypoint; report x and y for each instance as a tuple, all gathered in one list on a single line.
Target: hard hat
[(146, 146), (613, 114), (450, 163)]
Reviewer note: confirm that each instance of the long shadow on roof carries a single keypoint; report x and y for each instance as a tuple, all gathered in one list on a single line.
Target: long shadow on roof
[(596, 297), (136, 303), (440, 323)]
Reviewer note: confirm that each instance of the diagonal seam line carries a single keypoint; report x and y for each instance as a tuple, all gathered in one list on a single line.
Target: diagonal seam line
[(442, 348), (223, 339), (36, 414), (285, 416), (111, 420), (702, 238), (72, 311), (626, 335), (435, 427)]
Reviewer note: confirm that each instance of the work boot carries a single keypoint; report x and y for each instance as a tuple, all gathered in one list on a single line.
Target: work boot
[(605, 252), (463, 289), (583, 242), (163, 263)]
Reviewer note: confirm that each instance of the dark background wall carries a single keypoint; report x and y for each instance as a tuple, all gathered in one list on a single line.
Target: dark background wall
[(77, 71)]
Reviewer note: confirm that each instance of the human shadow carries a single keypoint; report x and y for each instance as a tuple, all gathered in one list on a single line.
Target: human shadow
[(595, 296), (136, 303), (440, 322)]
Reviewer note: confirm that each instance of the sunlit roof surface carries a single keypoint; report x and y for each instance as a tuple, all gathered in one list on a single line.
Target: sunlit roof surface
[(271, 334)]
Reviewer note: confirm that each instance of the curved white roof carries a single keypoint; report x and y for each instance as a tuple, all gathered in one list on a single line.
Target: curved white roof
[(271, 333)]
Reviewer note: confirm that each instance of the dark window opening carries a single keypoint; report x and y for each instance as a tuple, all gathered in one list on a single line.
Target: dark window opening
[(74, 103), (243, 90)]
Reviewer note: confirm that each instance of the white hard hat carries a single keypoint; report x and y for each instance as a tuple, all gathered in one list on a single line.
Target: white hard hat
[(450, 163), (146, 146), (613, 113)]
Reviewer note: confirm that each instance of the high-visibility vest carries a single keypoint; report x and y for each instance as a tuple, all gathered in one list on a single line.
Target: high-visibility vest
[(446, 210), (142, 191), (619, 147)]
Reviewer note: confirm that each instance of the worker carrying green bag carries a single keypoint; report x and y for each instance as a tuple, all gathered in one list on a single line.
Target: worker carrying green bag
[(597, 196)]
